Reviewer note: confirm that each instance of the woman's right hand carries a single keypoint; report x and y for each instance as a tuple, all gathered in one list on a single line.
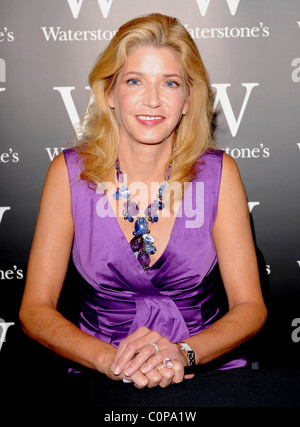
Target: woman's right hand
[(140, 357)]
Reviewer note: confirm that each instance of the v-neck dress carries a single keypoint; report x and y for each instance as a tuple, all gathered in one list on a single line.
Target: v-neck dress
[(180, 295)]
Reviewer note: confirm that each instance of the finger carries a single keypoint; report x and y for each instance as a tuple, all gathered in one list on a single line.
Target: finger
[(145, 353), (178, 369), (166, 350), (130, 348), (167, 376), (153, 363), (189, 376), (123, 344), (154, 378), (139, 380)]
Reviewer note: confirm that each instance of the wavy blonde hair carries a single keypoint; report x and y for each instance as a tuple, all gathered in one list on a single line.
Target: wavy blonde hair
[(98, 145)]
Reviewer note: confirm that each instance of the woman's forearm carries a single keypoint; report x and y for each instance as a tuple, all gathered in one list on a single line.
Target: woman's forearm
[(238, 325), (45, 324)]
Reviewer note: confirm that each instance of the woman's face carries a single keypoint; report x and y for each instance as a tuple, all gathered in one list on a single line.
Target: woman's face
[(149, 96)]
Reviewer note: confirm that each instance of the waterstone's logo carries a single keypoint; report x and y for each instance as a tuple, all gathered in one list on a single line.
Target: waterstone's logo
[(221, 98), (104, 5), (59, 34), (3, 331), (2, 73), (204, 4), (259, 30), (6, 36), (2, 211)]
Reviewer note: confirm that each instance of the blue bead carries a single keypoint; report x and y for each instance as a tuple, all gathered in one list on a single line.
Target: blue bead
[(155, 218), (160, 205), (141, 226), (129, 217), (150, 249), (148, 239), (117, 195), (125, 192), (161, 188)]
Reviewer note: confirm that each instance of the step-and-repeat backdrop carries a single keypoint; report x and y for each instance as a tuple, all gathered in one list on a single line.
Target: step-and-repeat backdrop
[(251, 49)]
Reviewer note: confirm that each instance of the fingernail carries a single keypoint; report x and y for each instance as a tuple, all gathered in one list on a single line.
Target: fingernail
[(116, 370), (128, 372)]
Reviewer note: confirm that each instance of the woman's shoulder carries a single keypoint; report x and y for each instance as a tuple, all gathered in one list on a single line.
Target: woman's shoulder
[(57, 172), (219, 157)]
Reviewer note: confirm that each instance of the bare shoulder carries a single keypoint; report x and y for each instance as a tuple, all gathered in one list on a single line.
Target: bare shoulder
[(230, 169), (231, 181), (57, 178), (58, 167), (56, 194), (232, 196)]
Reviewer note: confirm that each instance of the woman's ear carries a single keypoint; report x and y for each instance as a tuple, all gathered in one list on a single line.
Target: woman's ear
[(186, 104), (110, 99)]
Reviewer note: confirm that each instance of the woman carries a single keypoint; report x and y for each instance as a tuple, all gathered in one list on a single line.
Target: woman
[(151, 301)]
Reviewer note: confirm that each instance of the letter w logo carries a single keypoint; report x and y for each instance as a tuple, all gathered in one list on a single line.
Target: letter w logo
[(75, 6), (203, 6), (222, 96), (68, 101)]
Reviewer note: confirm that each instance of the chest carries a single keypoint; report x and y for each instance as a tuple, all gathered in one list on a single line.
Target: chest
[(161, 232)]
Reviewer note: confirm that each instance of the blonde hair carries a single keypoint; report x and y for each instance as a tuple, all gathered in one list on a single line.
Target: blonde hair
[(98, 145)]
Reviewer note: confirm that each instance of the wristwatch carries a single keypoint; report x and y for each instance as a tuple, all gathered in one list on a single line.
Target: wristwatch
[(188, 352)]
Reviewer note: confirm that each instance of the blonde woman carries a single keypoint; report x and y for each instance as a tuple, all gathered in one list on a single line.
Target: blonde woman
[(152, 301)]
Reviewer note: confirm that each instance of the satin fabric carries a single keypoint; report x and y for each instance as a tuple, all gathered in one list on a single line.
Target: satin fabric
[(180, 295)]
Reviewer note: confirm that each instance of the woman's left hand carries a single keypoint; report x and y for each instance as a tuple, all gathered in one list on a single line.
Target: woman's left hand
[(145, 351)]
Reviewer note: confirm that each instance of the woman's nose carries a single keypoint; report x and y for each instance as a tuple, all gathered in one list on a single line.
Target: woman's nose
[(152, 96)]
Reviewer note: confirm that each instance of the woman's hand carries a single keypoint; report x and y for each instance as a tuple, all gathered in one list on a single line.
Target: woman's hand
[(140, 358)]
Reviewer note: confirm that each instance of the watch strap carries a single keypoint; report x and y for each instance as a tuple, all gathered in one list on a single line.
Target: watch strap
[(188, 352)]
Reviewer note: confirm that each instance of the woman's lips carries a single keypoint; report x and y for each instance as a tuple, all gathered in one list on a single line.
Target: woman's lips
[(150, 120)]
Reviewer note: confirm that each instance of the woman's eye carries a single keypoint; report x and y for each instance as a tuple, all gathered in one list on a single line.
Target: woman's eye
[(133, 82), (171, 83)]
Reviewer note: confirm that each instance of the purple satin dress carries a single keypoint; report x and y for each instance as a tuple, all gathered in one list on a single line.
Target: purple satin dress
[(179, 296)]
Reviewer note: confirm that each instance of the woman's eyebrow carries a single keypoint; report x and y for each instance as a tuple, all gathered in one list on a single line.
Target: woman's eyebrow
[(138, 73)]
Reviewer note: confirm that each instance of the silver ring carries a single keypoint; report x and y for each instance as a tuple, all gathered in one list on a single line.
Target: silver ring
[(156, 348)]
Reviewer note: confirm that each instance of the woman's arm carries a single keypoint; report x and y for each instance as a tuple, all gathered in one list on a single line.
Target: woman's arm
[(46, 272), (238, 266)]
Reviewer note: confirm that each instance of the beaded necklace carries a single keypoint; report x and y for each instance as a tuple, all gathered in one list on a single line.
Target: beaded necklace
[(142, 242)]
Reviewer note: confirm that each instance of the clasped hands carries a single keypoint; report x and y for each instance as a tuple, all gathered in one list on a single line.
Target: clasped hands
[(140, 359)]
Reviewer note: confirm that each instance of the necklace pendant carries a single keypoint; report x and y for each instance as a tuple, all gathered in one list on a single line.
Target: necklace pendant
[(141, 226)]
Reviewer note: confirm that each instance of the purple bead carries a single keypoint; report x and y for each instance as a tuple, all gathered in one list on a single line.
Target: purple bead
[(168, 173), (136, 243), (144, 259), (120, 176), (151, 209), (131, 207)]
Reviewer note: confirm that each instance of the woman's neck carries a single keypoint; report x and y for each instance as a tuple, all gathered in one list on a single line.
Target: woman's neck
[(145, 163)]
